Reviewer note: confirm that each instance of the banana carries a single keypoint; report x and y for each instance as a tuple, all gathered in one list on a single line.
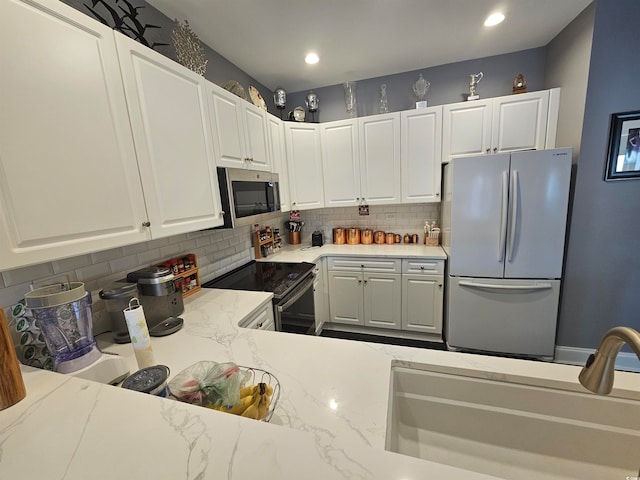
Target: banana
[(252, 410), (250, 390), (263, 407)]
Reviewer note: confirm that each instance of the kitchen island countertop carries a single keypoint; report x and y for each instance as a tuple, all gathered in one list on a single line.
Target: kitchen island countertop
[(329, 422)]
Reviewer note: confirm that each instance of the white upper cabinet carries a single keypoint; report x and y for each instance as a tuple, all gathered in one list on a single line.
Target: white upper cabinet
[(503, 124), (305, 165), (170, 123), (68, 175), (239, 131), (278, 155), (340, 163), (466, 129), (379, 142), (520, 122), (421, 154)]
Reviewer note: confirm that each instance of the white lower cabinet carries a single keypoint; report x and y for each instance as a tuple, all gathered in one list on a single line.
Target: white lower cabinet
[(320, 294), (422, 295), (388, 293), (261, 320), (365, 292)]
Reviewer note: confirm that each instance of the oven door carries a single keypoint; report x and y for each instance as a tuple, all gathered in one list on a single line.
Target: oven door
[(294, 313)]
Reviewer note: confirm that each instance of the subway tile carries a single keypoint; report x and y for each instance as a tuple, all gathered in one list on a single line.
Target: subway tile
[(170, 251), (106, 255), (125, 263), (203, 241), (93, 272), (136, 248), (11, 295), (27, 274), (188, 245), (149, 257), (73, 263)]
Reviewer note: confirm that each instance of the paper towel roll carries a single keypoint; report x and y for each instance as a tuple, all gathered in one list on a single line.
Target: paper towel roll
[(139, 333)]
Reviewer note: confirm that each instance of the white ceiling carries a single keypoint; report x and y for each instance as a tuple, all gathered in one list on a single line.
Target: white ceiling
[(359, 39)]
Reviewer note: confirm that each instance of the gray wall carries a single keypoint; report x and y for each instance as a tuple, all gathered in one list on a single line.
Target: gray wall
[(219, 69), (568, 57), (449, 84), (602, 270)]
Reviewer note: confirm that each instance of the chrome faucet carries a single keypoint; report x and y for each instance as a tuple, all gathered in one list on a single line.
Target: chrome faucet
[(597, 374)]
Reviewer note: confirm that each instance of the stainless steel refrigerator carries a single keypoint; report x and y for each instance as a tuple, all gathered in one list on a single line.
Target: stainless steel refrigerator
[(503, 224)]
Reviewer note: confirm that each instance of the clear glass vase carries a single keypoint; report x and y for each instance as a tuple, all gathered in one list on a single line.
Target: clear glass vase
[(383, 104), (350, 98)]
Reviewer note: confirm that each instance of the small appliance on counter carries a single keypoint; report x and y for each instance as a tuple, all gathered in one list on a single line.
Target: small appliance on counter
[(63, 313), (116, 298), (317, 239), (161, 301)]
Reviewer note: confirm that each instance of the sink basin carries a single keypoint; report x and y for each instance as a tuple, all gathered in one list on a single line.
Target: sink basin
[(487, 424)]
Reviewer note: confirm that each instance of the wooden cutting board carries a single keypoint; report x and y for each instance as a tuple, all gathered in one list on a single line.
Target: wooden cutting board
[(12, 388)]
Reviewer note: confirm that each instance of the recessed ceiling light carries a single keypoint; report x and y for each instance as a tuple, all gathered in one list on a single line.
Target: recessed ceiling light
[(311, 58), (493, 19)]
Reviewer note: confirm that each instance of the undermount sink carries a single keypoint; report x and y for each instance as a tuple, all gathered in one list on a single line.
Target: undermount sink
[(481, 422)]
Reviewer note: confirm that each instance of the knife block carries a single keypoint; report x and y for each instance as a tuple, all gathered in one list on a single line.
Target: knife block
[(12, 388)]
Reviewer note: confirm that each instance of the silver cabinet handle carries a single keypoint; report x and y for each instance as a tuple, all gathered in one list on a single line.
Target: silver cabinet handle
[(495, 149), (488, 150), (359, 282), (146, 224)]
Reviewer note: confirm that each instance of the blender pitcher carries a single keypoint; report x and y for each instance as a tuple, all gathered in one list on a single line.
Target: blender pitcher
[(63, 313)]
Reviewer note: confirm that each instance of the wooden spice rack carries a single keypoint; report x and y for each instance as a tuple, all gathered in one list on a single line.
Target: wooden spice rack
[(187, 279), (261, 247)]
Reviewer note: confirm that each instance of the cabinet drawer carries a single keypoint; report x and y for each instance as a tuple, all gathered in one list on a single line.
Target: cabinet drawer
[(426, 267), (365, 264)]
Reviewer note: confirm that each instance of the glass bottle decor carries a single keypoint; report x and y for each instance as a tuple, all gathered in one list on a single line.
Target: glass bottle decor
[(383, 104), (350, 98)]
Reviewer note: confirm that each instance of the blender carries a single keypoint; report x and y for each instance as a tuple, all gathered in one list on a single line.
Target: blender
[(63, 314)]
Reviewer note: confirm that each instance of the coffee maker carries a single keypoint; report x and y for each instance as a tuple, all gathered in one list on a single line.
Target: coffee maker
[(161, 301)]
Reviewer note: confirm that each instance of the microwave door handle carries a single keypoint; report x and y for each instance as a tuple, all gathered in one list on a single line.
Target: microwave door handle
[(503, 215), (295, 298)]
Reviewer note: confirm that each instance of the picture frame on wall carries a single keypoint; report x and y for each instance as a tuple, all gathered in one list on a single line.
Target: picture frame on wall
[(623, 160)]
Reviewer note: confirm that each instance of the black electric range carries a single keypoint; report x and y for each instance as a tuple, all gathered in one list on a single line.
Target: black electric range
[(291, 285)]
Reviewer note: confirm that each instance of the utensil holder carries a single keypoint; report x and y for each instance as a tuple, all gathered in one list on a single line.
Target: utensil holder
[(12, 388), (294, 238)]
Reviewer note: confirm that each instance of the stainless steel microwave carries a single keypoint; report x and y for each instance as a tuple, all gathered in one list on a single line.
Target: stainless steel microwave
[(248, 196)]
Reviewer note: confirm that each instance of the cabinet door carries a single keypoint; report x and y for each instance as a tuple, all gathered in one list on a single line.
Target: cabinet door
[(422, 297), (345, 297), (340, 163), (466, 129), (227, 128), (320, 295), (520, 122), (170, 123), (421, 158), (305, 165), (256, 143), (382, 300), (279, 159), (380, 158), (68, 173)]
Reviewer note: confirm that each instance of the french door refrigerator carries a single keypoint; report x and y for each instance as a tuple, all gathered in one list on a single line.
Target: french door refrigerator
[(504, 220)]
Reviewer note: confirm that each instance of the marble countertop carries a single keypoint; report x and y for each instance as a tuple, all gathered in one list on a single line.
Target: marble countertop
[(329, 422), (307, 253)]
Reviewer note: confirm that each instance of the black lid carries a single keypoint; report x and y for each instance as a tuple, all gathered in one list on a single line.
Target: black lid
[(118, 290), (150, 274), (148, 379)]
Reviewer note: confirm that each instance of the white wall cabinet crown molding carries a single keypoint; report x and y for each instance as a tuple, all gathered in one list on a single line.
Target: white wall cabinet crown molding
[(170, 123), (69, 178)]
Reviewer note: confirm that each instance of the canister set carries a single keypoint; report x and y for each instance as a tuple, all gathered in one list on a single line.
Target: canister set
[(366, 236)]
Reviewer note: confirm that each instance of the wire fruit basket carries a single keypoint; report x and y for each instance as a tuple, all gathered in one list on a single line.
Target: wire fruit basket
[(214, 385)]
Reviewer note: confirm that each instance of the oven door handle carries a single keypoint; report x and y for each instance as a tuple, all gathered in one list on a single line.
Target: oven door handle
[(296, 296)]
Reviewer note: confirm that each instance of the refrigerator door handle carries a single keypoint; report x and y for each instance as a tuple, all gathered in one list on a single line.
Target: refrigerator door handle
[(494, 286), (513, 217), (503, 215)]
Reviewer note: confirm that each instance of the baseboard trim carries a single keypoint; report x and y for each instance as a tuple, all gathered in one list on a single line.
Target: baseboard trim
[(578, 356)]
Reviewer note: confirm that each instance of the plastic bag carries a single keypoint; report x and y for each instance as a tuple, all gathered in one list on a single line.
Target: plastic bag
[(209, 384)]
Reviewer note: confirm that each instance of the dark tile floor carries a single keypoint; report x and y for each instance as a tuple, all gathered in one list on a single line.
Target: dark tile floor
[(381, 339)]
